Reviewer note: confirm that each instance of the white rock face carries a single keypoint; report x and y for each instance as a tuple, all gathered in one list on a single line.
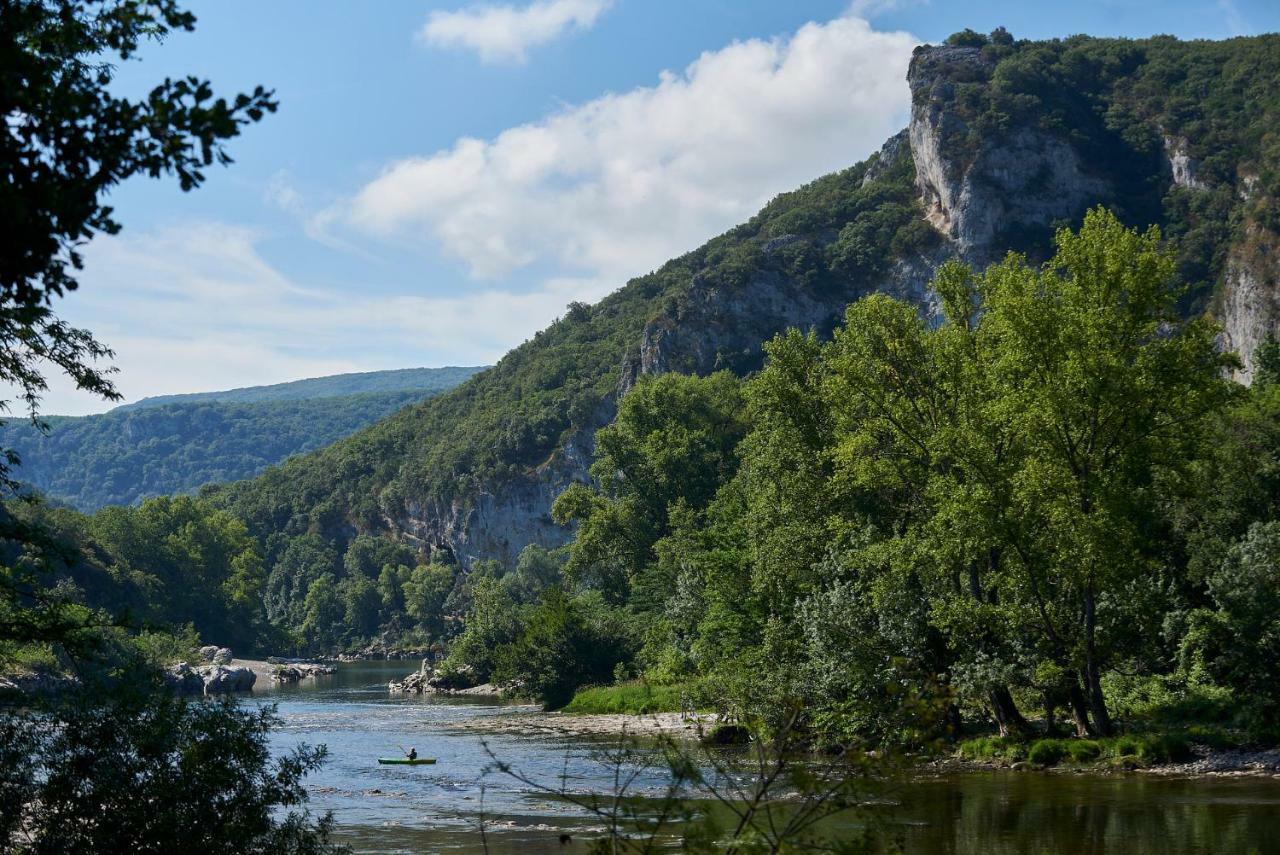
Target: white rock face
[(1249, 306), (973, 190), (1182, 168)]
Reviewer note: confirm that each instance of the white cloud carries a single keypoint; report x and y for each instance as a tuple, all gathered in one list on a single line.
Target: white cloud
[(506, 33), (197, 308), (613, 187)]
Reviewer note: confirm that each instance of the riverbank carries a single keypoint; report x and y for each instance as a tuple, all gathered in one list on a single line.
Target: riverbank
[(532, 721)]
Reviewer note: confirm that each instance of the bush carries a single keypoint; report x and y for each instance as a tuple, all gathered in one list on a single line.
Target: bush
[(993, 748), (636, 697), (154, 774), (1047, 752)]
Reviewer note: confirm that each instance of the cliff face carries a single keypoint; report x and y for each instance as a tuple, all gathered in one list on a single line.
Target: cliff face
[(974, 193), (1249, 304), (974, 189), (995, 157)]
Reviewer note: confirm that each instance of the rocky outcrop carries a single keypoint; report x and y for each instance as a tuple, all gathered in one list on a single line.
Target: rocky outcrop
[(1183, 170), (294, 672), (428, 682), (221, 679), (973, 189), (213, 654), (1249, 301), (209, 679)]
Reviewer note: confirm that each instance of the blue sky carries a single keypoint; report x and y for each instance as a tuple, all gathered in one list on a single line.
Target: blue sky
[(443, 177)]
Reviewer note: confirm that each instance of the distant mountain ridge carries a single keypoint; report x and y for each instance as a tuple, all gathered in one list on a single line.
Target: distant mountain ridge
[(332, 386), (180, 443)]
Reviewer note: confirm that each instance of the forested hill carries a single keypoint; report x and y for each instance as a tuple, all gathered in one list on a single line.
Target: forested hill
[(179, 443), (1008, 140), (425, 380)]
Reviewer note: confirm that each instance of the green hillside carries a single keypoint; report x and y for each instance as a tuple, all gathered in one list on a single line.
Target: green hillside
[(162, 446), (337, 385)]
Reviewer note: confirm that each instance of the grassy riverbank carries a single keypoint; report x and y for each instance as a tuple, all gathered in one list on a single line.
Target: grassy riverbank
[(635, 697)]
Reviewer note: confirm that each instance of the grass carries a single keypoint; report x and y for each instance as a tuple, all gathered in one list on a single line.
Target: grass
[(634, 697), (1145, 749)]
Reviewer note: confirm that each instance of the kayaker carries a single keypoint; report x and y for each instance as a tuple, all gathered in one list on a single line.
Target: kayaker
[(413, 753)]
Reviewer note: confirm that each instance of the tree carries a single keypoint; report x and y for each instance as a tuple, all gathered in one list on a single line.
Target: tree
[(322, 612), (69, 139), (1025, 437), (425, 592), (673, 440), (154, 773)]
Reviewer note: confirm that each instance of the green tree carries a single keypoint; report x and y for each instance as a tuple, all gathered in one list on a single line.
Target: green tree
[(361, 603), (1028, 433), (425, 592), (673, 440), (69, 140), (322, 613), (154, 773)]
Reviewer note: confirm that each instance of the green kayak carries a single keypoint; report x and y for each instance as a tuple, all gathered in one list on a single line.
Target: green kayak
[(405, 761)]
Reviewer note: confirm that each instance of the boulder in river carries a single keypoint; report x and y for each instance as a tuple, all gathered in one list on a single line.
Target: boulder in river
[(184, 679), (219, 679), (296, 671)]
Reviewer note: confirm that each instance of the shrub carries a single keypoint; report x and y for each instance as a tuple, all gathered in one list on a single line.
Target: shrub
[(635, 697), (1047, 752)]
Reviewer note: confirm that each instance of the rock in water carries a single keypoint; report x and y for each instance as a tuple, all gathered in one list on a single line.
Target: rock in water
[(220, 679), (183, 679)]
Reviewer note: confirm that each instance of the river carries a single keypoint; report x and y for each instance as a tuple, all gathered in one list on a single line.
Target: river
[(439, 808)]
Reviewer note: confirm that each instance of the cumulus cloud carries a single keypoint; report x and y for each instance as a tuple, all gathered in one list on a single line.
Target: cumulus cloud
[(612, 187), (198, 308), (506, 33)]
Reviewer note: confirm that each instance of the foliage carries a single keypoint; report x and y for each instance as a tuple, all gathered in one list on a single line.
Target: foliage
[(69, 140), (1239, 641), (672, 444), (426, 381), (154, 774), (634, 697), (562, 643)]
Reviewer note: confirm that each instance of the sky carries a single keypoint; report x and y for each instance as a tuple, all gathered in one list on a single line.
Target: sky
[(443, 178)]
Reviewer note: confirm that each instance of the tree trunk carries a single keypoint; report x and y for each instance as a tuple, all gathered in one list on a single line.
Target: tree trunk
[(1093, 678), (1050, 721), (1006, 714), (1079, 709), (955, 723)]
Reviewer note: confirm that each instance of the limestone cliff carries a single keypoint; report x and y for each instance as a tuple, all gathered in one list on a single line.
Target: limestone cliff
[(995, 158), (974, 192)]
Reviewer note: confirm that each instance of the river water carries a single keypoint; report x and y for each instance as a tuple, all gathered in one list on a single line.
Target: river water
[(441, 808)]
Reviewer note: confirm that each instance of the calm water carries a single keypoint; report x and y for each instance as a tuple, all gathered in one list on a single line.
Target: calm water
[(438, 808)]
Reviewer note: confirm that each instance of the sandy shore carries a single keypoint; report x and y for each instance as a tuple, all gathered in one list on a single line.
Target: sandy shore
[(531, 721)]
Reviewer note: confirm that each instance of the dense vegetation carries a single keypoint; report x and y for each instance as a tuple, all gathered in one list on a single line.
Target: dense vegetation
[(162, 446), (1022, 508), (1115, 100), (112, 762)]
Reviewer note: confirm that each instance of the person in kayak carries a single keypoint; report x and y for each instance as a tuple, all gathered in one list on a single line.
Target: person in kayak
[(413, 753)]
